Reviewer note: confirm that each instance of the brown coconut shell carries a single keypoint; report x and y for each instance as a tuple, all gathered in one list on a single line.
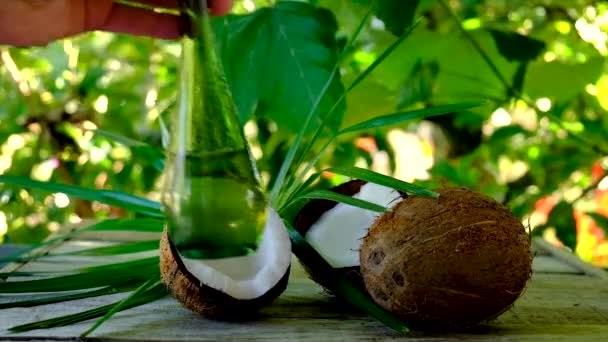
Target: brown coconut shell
[(460, 259), (205, 300)]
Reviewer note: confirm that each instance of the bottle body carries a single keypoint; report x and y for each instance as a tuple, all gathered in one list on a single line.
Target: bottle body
[(212, 199), (210, 215)]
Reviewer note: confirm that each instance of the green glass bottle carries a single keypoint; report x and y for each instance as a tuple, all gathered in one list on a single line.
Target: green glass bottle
[(212, 199)]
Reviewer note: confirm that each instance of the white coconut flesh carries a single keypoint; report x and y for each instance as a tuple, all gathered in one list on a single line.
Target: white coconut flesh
[(251, 276), (338, 233)]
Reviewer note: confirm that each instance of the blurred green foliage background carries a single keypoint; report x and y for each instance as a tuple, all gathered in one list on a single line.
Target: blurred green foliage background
[(539, 145)]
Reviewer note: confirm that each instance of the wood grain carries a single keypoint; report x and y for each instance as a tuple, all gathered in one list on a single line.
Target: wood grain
[(564, 301)]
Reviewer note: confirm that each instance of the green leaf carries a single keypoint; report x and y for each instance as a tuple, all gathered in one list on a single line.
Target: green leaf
[(378, 61), (307, 183), (333, 196), (397, 15), (146, 225), (155, 293), (64, 298), (380, 179), (562, 219), (122, 266), (517, 47), (338, 283), (117, 249), (463, 74), (276, 194), (399, 117), (132, 203), (287, 209), (288, 52), (90, 80), (519, 78), (506, 132), (294, 178), (141, 150), (87, 278), (546, 79), (600, 220), (419, 85), (121, 248), (149, 155), (118, 138), (139, 293)]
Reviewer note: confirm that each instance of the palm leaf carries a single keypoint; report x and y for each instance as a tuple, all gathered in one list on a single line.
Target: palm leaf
[(384, 120), (275, 194), (143, 151), (64, 298), (380, 179), (145, 225), (129, 202), (395, 118), (336, 197), (86, 278), (154, 293), (383, 56), (292, 182), (121, 139), (154, 281), (121, 248)]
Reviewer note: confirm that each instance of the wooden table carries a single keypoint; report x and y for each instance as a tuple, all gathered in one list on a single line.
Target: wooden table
[(566, 300)]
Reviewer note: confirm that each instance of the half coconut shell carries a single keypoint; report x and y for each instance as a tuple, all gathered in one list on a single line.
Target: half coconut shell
[(197, 295)]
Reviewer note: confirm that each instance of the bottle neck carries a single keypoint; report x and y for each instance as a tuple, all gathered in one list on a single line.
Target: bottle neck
[(206, 111)]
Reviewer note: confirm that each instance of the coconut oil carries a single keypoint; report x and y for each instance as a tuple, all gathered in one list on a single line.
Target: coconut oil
[(215, 214), (212, 198)]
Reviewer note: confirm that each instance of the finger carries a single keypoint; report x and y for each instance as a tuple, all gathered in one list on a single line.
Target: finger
[(220, 7), (160, 3), (217, 7), (141, 22)]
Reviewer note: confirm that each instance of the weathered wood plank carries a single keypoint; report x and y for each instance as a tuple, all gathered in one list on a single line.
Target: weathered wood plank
[(570, 259), (305, 306), (548, 264), (564, 301)]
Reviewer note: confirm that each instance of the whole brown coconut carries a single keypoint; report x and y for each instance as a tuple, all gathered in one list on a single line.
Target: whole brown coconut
[(203, 299), (460, 259)]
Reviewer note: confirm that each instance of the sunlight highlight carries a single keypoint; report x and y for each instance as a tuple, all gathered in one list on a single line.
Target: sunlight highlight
[(101, 104), (61, 200), (500, 118), (544, 104), (3, 224)]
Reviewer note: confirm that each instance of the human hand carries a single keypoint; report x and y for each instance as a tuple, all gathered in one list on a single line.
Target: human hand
[(38, 22)]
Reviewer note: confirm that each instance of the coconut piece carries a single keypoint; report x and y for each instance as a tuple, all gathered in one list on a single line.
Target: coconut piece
[(338, 229), (460, 259), (230, 288), (314, 210)]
